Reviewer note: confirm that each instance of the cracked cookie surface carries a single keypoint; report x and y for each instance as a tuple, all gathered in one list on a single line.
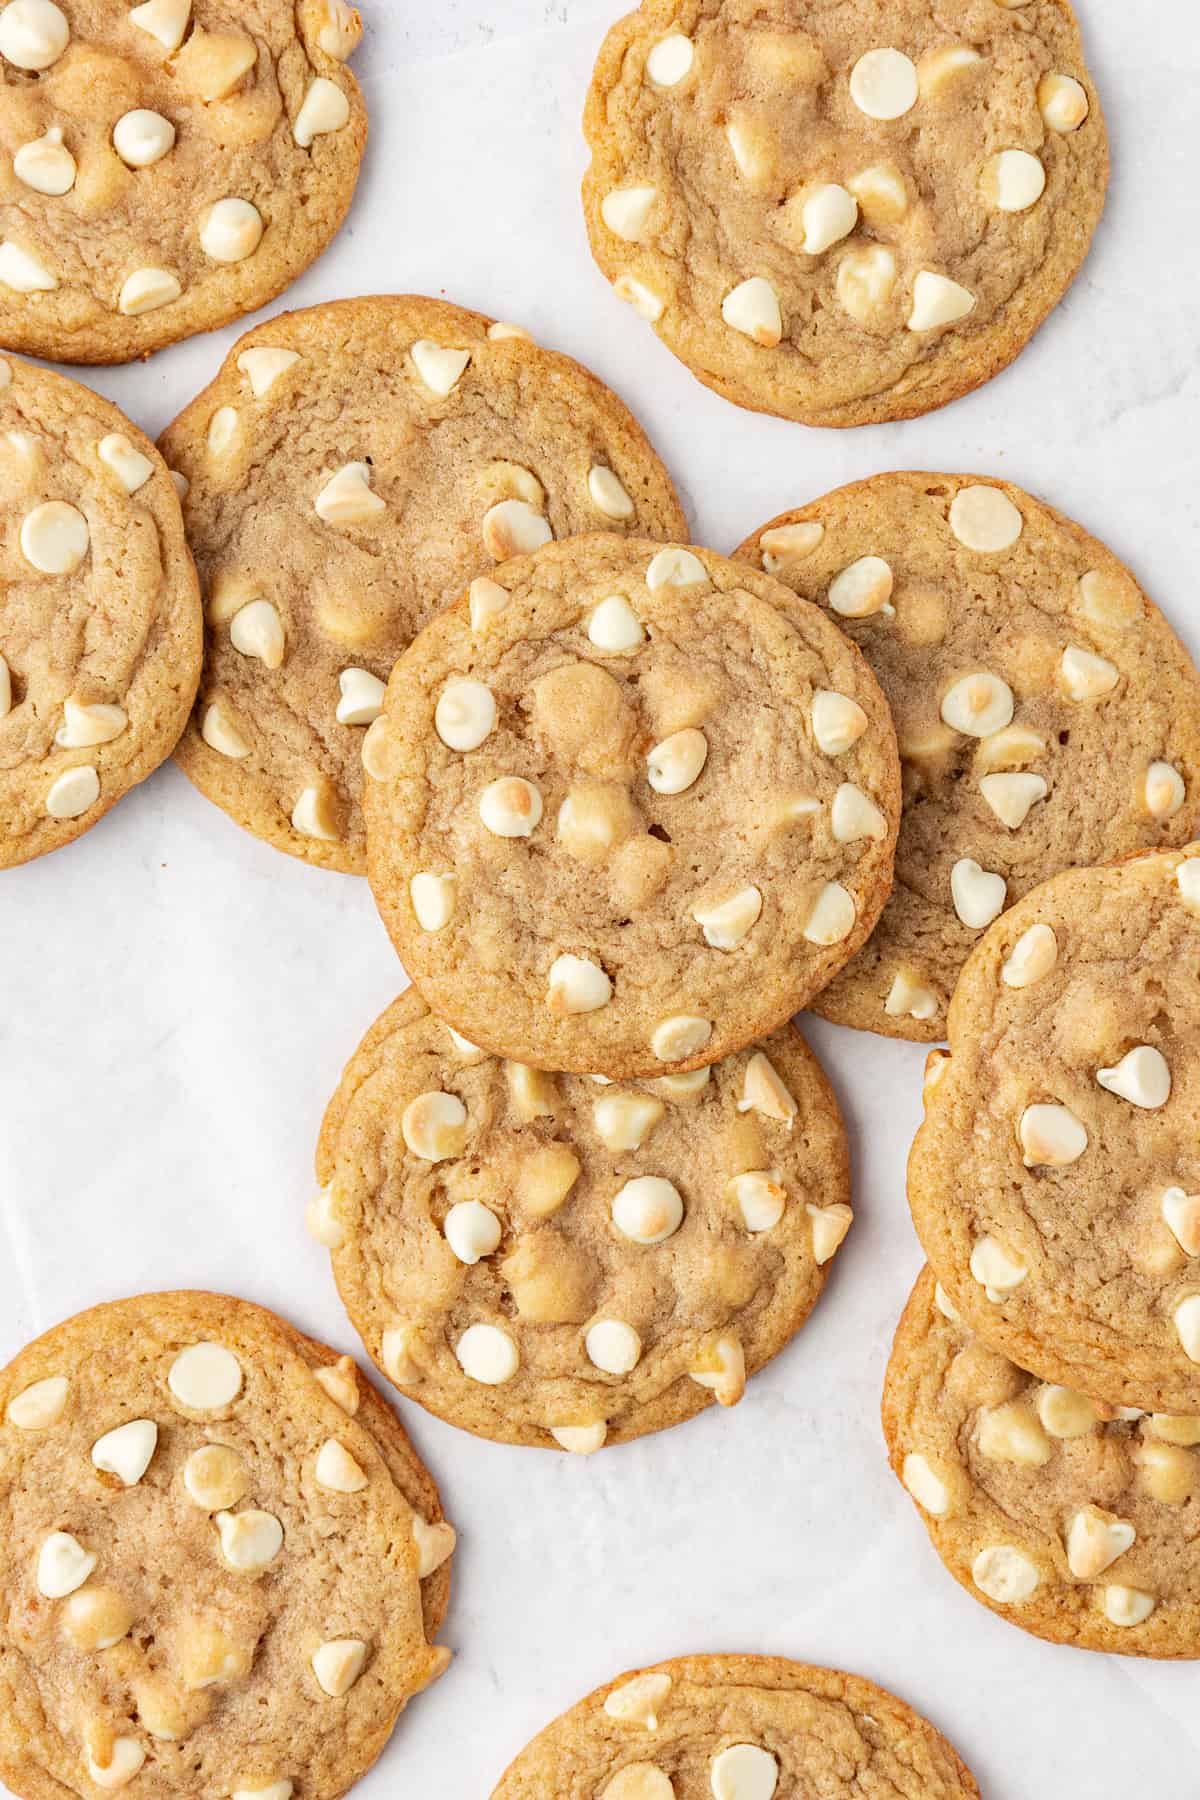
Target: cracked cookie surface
[(1047, 714), (844, 214)]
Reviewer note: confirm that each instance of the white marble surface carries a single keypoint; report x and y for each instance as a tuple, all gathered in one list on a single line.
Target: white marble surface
[(178, 999)]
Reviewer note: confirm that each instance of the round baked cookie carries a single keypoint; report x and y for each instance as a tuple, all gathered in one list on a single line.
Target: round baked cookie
[(548, 1259), (1055, 1182), (168, 167), (844, 214), (1048, 716), (1076, 1520), (738, 1728), (630, 807), (214, 1538), (350, 469), (100, 627)]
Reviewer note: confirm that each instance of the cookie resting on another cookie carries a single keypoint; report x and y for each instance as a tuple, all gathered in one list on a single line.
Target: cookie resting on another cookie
[(844, 213), (221, 1560), (552, 1259), (168, 167), (1055, 1182), (1077, 1521), (1048, 716), (738, 1728), (100, 628), (348, 472), (629, 808)]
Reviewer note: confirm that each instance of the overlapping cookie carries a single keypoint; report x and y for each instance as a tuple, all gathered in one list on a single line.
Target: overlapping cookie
[(1074, 1519), (843, 213), (1055, 1182), (630, 807), (348, 472), (738, 1728), (1048, 716), (551, 1259), (100, 628), (166, 167), (223, 1564)]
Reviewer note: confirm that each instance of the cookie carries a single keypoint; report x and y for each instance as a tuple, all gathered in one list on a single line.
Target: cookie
[(166, 169), (211, 1559), (547, 1259), (738, 1728), (1048, 716), (844, 214), (630, 807), (1055, 1182), (1075, 1520), (100, 627), (350, 470)]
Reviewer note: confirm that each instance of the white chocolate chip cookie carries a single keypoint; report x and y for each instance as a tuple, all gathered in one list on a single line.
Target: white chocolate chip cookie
[(212, 1532), (173, 165), (1047, 714), (1055, 1182), (100, 629), (837, 213), (561, 1262), (654, 861), (350, 470), (739, 1728), (1070, 1517)]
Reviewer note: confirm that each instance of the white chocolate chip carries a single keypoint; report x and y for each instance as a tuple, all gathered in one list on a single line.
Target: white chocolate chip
[(127, 1450), (256, 630), (125, 1759), (1012, 181), (624, 1121), (1062, 102), (1142, 1077), (909, 998), (682, 1035), (1066, 1414), (146, 290), (1012, 797), (1164, 790), (85, 726), (789, 543), (1181, 1213), (73, 793), (854, 815), (341, 34), (325, 109), (765, 1092), (55, 537), (639, 1700), (829, 214), (165, 20), (926, 1488), (514, 528), (263, 366), (434, 898), (215, 1477), (1009, 748), (465, 714), (727, 923), (510, 807), (33, 34), (1095, 1539), (180, 483), (580, 1440), (862, 589), (5, 688), (435, 1544), (440, 368), (753, 309), (939, 68), (346, 498), (96, 1618), (1031, 958), (337, 1470), (1127, 1606), (995, 1270), (984, 519), (1051, 1136), (485, 600), (39, 1406), (142, 138), (644, 301), (743, 1772), (829, 1227), (613, 1346), (131, 468), (607, 494), (670, 59), (1006, 1575), (833, 915), (274, 1790), (866, 280), (314, 815), (361, 699), (231, 230), (223, 430), (938, 301), (338, 1664), (753, 147), (683, 1088), (1187, 1325), (978, 704), (675, 567), (321, 1220), (545, 1178), (625, 211), (883, 84), (881, 194), (472, 1231), (674, 765), (487, 1355), (978, 895), (614, 627), (45, 164), (22, 271), (648, 1209), (941, 1298), (1187, 880), (63, 1565), (396, 1348), (250, 1541), (533, 1092), (760, 1198), (1086, 676), (434, 1126), (502, 329), (205, 1377), (838, 722), (1013, 1434), (721, 1367)]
